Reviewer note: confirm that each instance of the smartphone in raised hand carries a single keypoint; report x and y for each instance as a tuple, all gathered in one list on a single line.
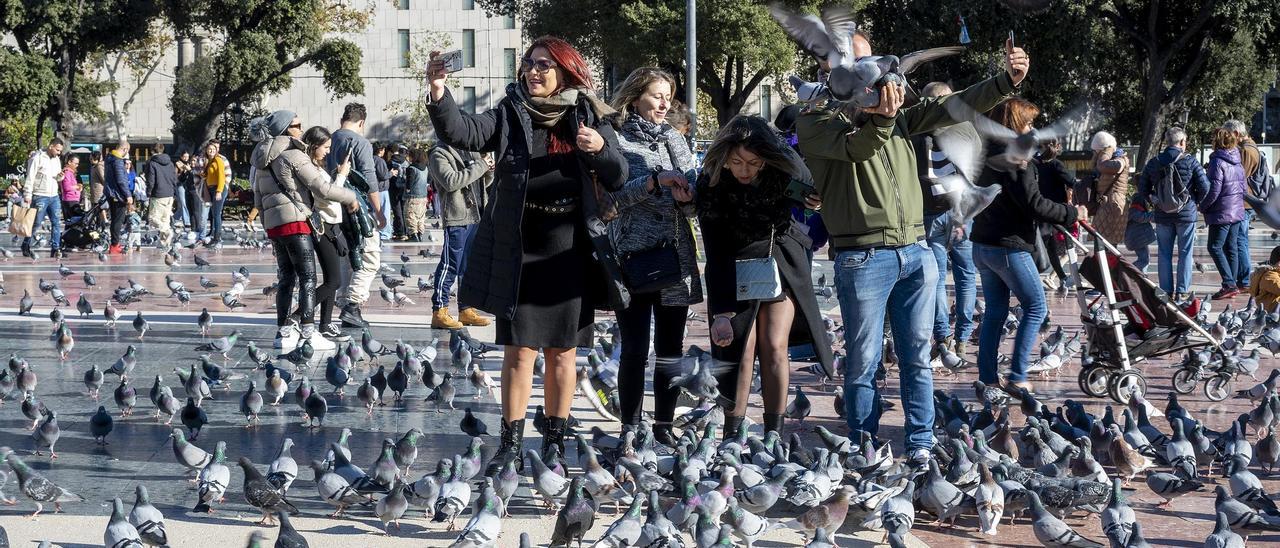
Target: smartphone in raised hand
[(452, 61)]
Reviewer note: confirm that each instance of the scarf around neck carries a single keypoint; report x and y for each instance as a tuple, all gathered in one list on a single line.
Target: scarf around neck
[(644, 130), (547, 111)]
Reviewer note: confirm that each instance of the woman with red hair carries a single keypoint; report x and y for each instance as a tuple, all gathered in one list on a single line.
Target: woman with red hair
[(540, 260)]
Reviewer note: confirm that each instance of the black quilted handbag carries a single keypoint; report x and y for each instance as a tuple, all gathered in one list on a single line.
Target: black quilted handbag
[(653, 269)]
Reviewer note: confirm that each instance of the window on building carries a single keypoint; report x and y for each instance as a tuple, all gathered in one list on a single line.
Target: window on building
[(766, 102), (468, 48), (469, 99), (404, 48), (508, 21), (468, 4), (402, 4), (509, 64)]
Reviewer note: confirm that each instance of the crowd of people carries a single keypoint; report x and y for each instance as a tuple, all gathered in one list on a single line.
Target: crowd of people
[(555, 205)]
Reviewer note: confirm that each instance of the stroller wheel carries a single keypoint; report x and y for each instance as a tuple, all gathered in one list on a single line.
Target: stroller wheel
[(1217, 388), (1124, 383), (1184, 381), (1094, 380)]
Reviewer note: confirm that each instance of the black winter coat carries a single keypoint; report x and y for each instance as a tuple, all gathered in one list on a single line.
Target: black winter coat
[(492, 280), (1010, 220)]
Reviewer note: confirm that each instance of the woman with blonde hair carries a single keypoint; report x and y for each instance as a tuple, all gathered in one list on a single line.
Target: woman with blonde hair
[(1110, 187), (1004, 238), (653, 237), (1223, 209), (758, 268)]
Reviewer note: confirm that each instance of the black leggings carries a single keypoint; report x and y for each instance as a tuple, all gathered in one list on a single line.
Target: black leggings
[(119, 212), (296, 263), (668, 333), (330, 248)]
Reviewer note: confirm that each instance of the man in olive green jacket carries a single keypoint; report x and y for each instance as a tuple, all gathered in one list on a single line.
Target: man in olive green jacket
[(865, 170)]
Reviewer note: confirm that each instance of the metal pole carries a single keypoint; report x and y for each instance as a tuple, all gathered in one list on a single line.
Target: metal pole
[(691, 71)]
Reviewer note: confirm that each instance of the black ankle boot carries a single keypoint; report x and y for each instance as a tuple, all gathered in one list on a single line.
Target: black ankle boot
[(554, 434), (773, 422), (509, 450), (732, 424), (662, 434)]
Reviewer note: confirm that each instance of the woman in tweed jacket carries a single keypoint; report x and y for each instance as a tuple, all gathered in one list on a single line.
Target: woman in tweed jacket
[(655, 207)]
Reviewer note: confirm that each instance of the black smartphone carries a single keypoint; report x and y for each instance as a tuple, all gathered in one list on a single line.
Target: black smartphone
[(797, 190), (1012, 44)]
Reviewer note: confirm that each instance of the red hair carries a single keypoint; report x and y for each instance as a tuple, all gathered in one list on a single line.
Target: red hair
[(575, 73)]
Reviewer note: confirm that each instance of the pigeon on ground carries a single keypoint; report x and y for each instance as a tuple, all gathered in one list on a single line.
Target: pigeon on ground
[(120, 533), (1222, 535), (187, 454), (1051, 531), (392, 507), (283, 469), (260, 494), (140, 325), (47, 434), (575, 518), (147, 519), (37, 487), (100, 424), (289, 536)]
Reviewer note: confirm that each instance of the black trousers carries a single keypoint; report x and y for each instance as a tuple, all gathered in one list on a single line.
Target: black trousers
[(296, 267), (398, 200), (331, 247), (668, 333), (119, 212)]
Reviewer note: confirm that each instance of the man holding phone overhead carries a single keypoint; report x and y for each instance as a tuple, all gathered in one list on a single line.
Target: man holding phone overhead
[(864, 167), (349, 142)]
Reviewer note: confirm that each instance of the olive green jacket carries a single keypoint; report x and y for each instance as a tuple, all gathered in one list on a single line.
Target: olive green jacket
[(866, 175)]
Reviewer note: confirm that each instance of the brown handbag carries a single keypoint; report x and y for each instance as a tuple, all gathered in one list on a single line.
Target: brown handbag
[(23, 221)]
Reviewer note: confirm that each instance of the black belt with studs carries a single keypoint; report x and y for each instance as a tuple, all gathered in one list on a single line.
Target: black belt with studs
[(555, 207)]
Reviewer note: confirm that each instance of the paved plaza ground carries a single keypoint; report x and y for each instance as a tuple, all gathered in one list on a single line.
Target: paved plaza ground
[(139, 452)]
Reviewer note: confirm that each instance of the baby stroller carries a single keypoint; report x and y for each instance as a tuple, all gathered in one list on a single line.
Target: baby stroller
[(1131, 321), (83, 230)]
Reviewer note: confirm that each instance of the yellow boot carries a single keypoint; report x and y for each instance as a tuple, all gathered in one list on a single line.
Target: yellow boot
[(468, 316), (440, 319)]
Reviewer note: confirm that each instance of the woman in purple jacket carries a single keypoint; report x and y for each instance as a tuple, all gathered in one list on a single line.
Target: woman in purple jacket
[(1223, 208)]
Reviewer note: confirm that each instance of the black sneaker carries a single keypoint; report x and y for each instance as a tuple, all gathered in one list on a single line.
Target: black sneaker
[(351, 317), (330, 331)]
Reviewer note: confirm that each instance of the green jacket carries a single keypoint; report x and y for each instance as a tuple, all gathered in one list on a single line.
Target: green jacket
[(867, 175)]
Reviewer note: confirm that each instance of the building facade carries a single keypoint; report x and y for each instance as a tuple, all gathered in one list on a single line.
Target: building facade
[(491, 48)]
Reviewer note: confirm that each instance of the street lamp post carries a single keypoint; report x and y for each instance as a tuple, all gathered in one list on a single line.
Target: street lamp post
[(691, 71)]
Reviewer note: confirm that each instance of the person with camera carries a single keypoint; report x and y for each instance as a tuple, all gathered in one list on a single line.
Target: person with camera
[(759, 278), (540, 260), (864, 167)]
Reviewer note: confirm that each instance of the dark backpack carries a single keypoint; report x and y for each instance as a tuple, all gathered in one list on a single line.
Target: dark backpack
[(1169, 193), (1261, 182)]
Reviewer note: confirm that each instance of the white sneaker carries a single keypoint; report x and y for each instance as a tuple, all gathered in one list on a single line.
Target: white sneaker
[(318, 342), (286, 337)]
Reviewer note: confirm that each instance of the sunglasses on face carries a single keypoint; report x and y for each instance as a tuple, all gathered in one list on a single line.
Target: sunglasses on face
[(542, 66), (295, 126)]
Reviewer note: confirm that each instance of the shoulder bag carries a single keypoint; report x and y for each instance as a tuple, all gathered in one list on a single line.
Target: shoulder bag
[(654, 269), (758, 279), (313, 216)]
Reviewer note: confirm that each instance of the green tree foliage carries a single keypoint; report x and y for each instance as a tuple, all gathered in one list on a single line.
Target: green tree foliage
[(739, 44), (258, 43), (414, 109), (1146, 64), (68, 33)]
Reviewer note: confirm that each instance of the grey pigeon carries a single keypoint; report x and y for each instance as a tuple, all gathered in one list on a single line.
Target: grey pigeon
[(800, 407), (407, 449), (251, 404), (1170, 486), (1222, 535), (1053, 532), (392, 507), (93, 379), (100, 424), (316, 408), (424, 492), (140, 325), (1243, 518), (657, 530), (481, 531), (548, 484), (47, 434), (1118, 518), (283, 469), (260, 494), (576, 516), (37, 487), (625, 531), (187, 454), (147, 519), (898, 515), (454, 496), (120, 533), (335, 489), (212, 481), (289, 536), (472, 426)]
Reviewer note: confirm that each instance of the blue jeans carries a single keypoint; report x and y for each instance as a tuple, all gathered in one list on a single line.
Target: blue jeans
[(898, 281), (1244, 264), (1184, 235), (180, 201), (1143, 257), (960, 255), (1006, 271), (215, 217), (51, 207), (1223, 247), (453, 261), (385, 198)]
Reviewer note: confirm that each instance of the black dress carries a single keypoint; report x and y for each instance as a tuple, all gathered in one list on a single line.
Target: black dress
[(554, 305)]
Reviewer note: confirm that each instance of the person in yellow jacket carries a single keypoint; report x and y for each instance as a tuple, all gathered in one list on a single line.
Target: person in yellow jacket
[(217, 175), (1264, 283)]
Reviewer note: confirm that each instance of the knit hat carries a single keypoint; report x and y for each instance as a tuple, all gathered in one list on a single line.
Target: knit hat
[(1102, 140), (279, 121)]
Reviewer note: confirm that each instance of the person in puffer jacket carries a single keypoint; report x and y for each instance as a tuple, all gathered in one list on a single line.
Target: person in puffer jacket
[(1223, 209), (285, 186)]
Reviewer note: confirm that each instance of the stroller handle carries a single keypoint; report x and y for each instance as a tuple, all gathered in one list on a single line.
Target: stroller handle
[(1093, 232)]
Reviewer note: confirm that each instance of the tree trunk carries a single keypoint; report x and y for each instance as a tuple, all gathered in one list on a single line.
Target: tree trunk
[(210, 130)]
